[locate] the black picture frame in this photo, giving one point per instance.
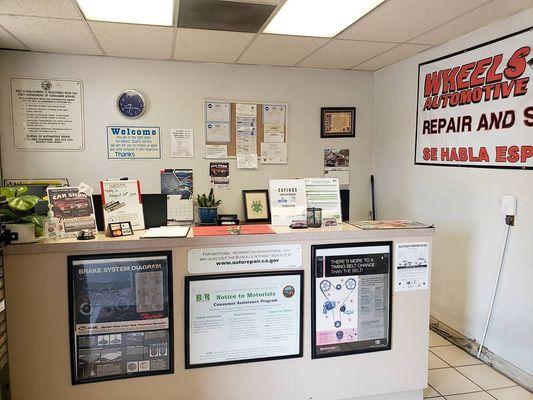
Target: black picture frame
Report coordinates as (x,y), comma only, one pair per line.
(72,321)
(350,351)
(247,216)
(333,110)
(456,53)
(190,278)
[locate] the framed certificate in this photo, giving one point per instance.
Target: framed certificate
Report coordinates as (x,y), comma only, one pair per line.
(337,122)
(242,318)
(351,289)
(120,308)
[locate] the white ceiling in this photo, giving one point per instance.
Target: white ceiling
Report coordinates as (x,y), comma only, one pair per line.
(395,30)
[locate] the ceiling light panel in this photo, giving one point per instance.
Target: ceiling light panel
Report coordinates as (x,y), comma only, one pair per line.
(147,12)
(318,18)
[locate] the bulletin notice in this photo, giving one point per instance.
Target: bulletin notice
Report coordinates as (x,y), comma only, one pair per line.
(47,114)
(237,318)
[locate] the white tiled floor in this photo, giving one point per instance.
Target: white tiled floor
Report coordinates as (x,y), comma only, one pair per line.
(455,375)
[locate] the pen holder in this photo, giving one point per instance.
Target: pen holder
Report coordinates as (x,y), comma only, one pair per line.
(314,217)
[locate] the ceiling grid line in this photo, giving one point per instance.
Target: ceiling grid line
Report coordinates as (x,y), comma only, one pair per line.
(259,32)
(86,23)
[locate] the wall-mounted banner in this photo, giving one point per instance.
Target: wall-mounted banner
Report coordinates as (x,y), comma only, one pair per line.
(133,142)
(244,258)
(47,114)
(475,107)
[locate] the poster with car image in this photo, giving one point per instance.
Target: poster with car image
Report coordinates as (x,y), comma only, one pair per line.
(73,207)
(242,318)
(120,315)
(351,298)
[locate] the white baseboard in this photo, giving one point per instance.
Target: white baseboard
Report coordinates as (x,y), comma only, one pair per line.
(471,346)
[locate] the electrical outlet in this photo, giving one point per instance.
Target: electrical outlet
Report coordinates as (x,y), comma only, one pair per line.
(509,204)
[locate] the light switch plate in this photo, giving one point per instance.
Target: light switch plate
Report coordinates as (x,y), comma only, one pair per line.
(508,204)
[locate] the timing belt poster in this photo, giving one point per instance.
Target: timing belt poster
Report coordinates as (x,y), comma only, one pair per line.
(241,318)
(351,298)
(475,107)
(120,315)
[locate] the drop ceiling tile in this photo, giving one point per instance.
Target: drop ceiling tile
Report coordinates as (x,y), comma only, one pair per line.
(402,20)
(210,46)
(129,40)
(392,56)
(52,35)
(279,49)
(7,41)
(344,54)
(41,8)
(473,20)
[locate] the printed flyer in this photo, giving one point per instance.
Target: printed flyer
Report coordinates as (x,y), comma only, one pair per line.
(121,315)
(236,318)
(350,298)
(288,200)
(74,209)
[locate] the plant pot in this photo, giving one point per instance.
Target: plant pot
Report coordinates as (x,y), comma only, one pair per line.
(207,215)
(26,232)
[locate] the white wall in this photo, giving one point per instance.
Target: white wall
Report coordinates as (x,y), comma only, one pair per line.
(464,204)
(174,91)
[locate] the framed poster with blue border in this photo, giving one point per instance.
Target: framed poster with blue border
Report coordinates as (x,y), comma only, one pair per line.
(351,298)
(120,315)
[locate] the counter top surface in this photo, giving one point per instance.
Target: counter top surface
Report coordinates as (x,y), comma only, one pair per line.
(343,231)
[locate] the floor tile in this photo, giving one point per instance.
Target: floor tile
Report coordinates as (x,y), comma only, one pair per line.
(436,340)
(486,377)
(455,356)
(471,396)
(429,393)
(512,393)
(435,362)
(448,381)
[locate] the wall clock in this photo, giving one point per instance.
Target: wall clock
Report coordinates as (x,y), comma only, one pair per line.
(131,104)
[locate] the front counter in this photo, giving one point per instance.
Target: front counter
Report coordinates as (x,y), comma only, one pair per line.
(38,329)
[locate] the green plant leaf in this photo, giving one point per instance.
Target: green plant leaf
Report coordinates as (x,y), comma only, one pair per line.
(38,221)
(20,190)
(22,203)
(9,215)
(7,191)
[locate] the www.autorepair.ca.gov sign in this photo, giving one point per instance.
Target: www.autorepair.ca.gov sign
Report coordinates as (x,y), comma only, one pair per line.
(475,107)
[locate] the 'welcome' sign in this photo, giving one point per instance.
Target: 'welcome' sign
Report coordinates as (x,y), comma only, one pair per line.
(133,142)
(475,107)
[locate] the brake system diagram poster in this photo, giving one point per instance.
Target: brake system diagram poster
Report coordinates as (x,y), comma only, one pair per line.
(475,107)
(120,315)
(241,318)
(351,298)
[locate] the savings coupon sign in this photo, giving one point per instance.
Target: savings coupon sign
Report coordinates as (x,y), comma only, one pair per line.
(475,107)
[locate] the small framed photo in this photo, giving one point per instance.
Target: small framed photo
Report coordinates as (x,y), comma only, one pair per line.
(337,122)
(256,205)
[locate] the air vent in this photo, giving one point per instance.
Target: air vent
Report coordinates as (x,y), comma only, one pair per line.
(224,15)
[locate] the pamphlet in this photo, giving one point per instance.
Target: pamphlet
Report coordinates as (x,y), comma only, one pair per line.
(324,193)
(288,201)
(219,174)
(181,143)
(74,209)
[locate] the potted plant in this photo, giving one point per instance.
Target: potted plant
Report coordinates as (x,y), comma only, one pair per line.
(17,212)
(207,208)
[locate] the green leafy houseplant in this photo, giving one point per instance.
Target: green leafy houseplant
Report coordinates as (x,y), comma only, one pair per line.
(18,208)
(207,208)
(208,201)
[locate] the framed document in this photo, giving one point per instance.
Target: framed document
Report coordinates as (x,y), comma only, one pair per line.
(242,318)
(351,289)
(120,314)
(256,205)
(337,122)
